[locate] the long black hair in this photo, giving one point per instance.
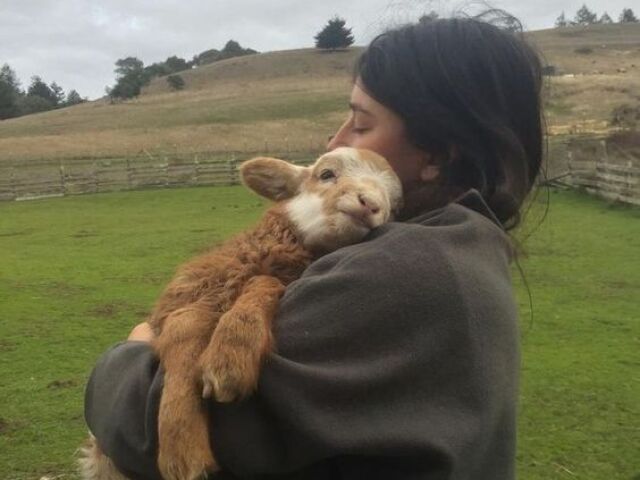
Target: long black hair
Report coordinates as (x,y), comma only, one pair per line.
(468,92)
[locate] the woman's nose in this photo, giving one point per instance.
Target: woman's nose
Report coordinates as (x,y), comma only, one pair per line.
(336,140)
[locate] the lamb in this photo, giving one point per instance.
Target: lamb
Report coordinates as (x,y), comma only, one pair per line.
(213,321)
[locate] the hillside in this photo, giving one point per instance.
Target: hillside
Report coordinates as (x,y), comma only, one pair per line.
(295,99)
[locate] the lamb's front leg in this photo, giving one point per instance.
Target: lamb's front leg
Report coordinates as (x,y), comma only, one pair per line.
(231,362)
(184,450)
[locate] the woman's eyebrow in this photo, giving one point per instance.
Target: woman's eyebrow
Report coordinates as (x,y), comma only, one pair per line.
(358,108)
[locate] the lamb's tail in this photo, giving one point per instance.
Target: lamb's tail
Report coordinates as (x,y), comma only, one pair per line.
(95,465)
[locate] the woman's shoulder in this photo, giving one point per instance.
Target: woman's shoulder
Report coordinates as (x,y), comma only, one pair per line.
(461,232)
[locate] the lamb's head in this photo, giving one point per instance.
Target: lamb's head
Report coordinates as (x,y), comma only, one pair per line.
(334,202)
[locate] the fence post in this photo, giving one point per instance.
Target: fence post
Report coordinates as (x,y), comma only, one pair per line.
(195,169)
(62,182)
(128,174)
(14,186)
(95,176)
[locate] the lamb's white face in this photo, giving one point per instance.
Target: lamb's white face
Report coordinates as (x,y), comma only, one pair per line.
(344,195)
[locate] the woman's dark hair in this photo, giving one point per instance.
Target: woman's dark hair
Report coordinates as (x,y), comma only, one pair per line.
(469,93)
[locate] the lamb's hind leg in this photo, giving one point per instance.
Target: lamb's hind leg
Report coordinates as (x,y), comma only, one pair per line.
(184,450)
(231,362)
(95,465)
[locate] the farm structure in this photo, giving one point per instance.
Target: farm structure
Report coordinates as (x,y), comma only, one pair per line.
(607,167)
(56,178)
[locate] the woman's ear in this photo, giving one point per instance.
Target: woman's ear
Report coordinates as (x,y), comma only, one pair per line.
(430,168)
(273,178)
(429,173)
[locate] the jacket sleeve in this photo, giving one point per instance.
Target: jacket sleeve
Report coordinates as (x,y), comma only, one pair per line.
(122,401)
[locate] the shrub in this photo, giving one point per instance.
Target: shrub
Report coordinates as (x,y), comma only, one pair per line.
(176,82)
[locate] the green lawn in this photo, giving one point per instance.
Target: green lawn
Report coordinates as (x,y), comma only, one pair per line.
(76,273)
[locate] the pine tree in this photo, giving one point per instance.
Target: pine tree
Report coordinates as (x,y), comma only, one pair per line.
(9,93)
(334,35)
(584,16)
(627,16)
(58,93)
(561,21)
(605,19)
(73,98)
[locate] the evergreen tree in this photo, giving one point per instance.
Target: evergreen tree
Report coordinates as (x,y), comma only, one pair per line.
(40,89)
(584,16)
(58,93)
(73,98)
(9,93)
(627,16)
(334,35)
(561,21)
(605,19)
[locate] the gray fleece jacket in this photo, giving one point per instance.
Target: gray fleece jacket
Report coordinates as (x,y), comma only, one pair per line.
(396,358)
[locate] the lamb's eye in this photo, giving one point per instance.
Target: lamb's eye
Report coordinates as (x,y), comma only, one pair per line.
(327,175)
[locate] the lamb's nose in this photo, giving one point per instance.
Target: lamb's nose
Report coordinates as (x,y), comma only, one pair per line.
(368,204)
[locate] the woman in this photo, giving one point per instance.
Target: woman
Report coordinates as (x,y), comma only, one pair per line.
(397,357)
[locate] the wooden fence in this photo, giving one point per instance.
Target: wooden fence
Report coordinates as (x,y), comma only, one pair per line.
(605,170)
(594,164)
(41,179)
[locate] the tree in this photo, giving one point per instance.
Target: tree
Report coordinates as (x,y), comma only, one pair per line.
(627,16)
(58,93)
(334,35)
(9,93)
(29,104)
(73,98)
(429,17)
(584,16)
(206,57)
(605,19)
(561,21)
(131,77)
(40,89)
(176,82)
(176,64)
(125,66)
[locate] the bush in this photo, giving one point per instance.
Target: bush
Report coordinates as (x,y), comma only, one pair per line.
(584,50)
(176,82)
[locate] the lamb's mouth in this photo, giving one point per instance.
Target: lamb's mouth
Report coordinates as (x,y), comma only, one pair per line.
(364,221)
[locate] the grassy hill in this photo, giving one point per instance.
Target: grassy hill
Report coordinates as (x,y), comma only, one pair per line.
(295,99)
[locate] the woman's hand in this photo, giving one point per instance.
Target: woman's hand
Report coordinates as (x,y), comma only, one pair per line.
(142,333)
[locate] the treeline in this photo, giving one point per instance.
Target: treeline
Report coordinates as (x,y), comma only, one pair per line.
(38,97)
(132,75)
(584,16)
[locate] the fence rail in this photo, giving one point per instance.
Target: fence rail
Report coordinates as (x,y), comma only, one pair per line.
(80,176)
(605,170)
(598,166)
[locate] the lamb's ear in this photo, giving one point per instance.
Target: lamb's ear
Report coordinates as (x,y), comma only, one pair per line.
(273,178)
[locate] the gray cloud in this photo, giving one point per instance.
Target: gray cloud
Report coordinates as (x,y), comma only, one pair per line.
(76,42)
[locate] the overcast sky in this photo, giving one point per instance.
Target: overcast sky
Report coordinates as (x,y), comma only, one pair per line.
(76,42)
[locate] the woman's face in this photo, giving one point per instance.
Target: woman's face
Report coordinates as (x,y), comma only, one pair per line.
(373,126)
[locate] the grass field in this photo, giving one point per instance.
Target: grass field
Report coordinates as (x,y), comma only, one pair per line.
(77,272)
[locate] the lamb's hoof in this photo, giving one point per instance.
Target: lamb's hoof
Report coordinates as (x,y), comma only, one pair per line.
(221,385)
